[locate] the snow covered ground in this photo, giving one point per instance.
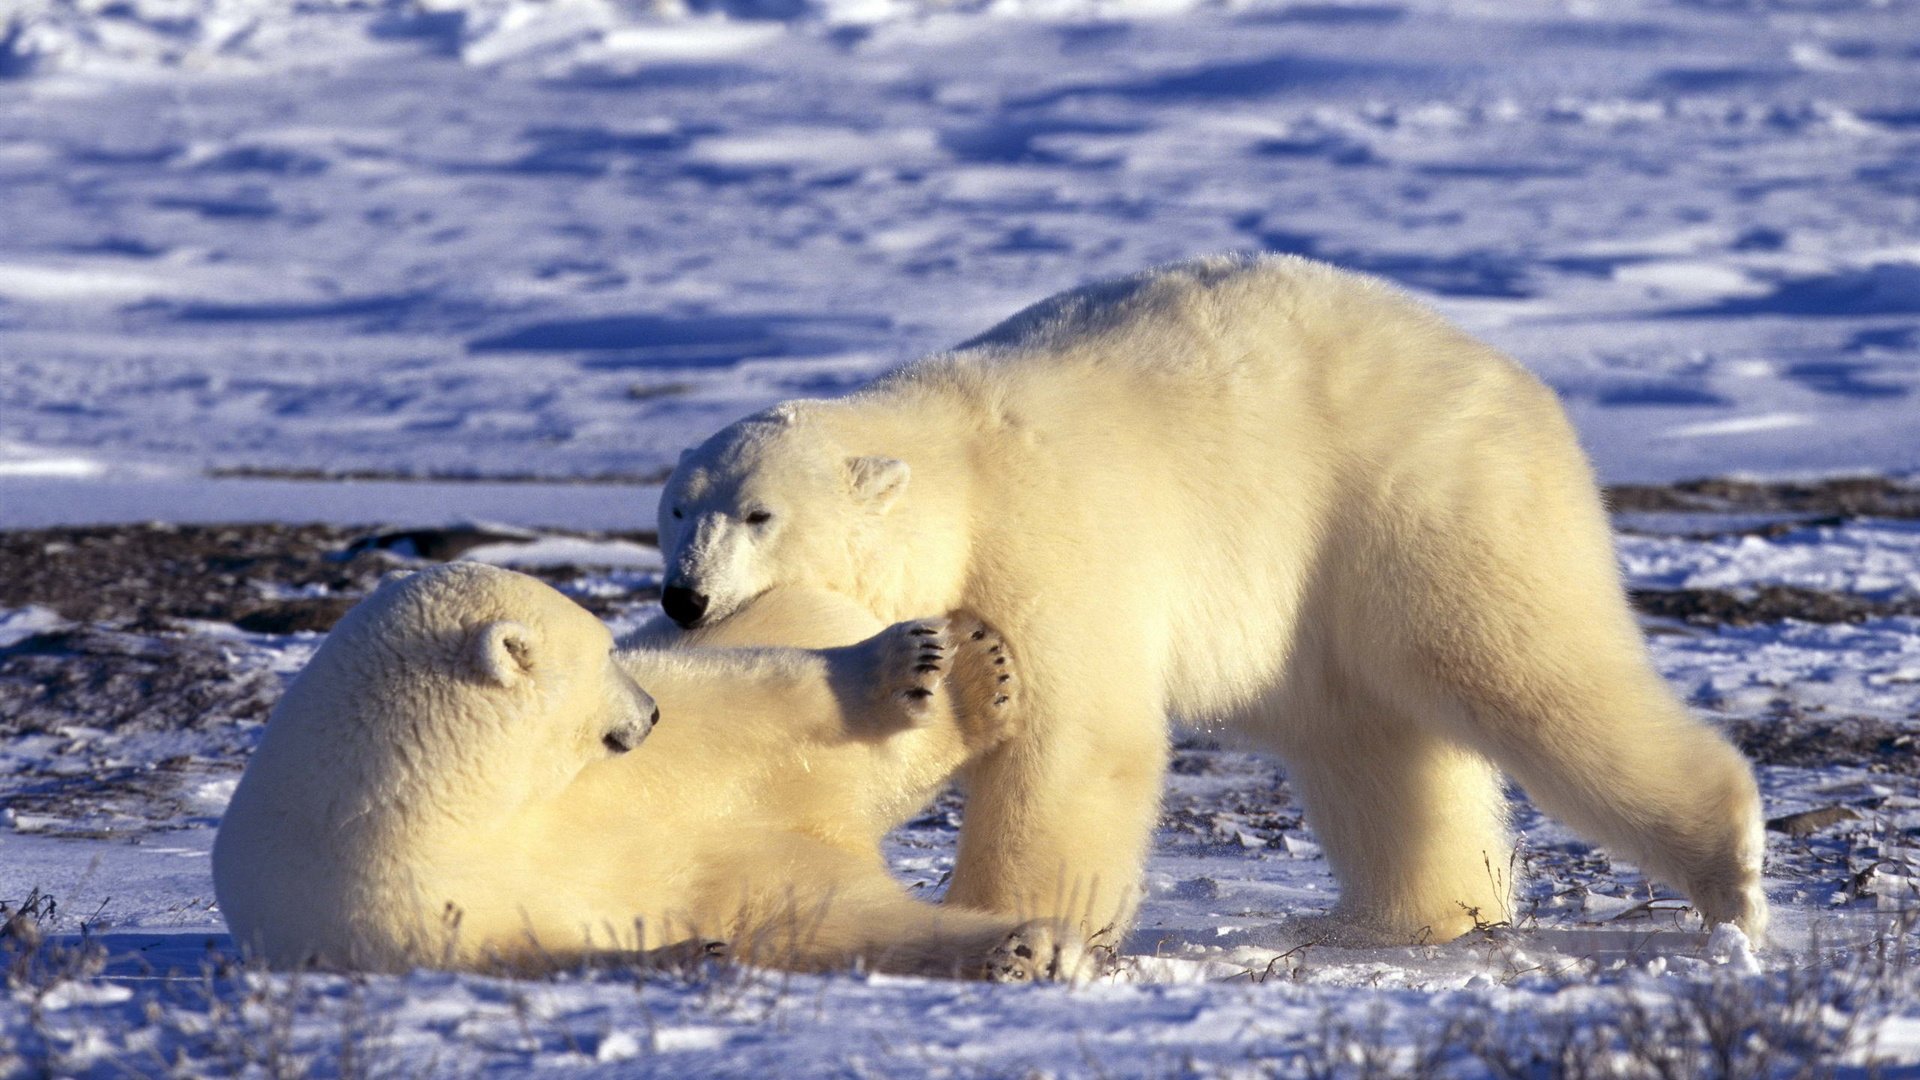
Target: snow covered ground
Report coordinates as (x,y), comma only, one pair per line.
(115,823)
(246,243)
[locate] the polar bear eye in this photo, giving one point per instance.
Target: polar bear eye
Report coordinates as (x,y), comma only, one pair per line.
(677,515)
(759,517)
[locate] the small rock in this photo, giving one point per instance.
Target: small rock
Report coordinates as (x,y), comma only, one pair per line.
(1808,822)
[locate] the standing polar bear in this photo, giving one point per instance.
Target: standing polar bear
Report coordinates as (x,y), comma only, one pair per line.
(1279,500)
(457,779)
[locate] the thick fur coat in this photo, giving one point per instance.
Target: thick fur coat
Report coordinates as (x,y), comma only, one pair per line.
(458,778)
(1276,499)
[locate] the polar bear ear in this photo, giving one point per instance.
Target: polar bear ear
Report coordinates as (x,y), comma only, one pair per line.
(878,481)
(502,652)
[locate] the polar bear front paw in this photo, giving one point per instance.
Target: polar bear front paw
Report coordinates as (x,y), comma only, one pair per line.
(910,662)
(1041,951)
(1742,903)
(985,684)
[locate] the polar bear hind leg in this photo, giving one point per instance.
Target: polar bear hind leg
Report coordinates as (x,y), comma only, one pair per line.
(1623,764)
(1524,647)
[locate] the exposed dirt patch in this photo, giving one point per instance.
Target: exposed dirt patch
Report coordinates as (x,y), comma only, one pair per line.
(119,801)
(620,479)
(102,730)
(127,682)
(273,579)
(1818,742)
(1840,497)
(1767,603)
(145,573)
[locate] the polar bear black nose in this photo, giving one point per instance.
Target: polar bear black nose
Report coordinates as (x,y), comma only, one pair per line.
(683,605)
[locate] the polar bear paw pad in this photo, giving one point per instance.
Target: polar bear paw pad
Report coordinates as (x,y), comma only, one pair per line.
(914,660)
(985,683)
(1040,951)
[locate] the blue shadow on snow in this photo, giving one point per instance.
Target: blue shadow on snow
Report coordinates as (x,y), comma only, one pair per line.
(679,341)
(1885,289)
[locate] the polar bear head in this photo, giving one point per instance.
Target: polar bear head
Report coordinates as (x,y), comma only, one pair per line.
(449,703)
(770,500)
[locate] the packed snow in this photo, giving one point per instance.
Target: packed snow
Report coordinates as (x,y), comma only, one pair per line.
(499,237)
(406,262)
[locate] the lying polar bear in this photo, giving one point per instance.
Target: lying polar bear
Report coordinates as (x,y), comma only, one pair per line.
(1274,498)
(457,779)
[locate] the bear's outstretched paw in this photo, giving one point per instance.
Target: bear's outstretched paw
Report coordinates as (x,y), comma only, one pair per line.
(985,683)
(1042,951)
(911,661)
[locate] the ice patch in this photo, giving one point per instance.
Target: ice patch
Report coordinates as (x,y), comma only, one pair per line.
(682,1039)
(1174,971)
(70,994)
(692,40)
(1739,425)
(1867,558)
(212,796)
(22,623)
(568,551)
(617,1046)
(58,284)
(818,146)
(1728,946)
(1688,280)
(65,468)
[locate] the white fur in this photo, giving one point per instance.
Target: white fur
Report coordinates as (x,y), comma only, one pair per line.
(437,788)
(1277,499)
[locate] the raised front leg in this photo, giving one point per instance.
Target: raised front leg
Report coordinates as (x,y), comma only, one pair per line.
(984,687)
(758,697)
(888,682)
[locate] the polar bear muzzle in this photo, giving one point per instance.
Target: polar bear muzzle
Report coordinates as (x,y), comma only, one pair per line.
(627,736)
(683,605)
(636,721)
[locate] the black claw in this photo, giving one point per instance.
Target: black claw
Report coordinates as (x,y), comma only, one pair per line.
(1023,951)
(923,631)
(978,634)
(1001,700)
(919,692)
(994,649)
(1004,678)
(1000,661)
(925,668)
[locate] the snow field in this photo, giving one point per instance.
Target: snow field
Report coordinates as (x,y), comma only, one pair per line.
(523,241)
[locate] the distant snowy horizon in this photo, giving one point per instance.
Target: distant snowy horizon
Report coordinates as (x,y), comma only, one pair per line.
(502,238)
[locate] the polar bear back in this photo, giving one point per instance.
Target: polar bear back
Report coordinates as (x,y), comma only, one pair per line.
(1219,422)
